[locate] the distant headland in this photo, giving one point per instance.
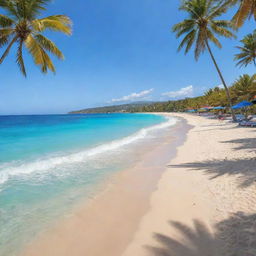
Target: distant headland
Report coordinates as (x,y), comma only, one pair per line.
(123,108)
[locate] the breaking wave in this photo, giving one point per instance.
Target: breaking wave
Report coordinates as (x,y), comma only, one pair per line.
(8,172)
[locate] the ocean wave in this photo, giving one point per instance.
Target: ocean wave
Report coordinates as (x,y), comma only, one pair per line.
(42,165)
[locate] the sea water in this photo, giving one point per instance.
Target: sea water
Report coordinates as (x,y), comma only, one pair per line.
(49,162)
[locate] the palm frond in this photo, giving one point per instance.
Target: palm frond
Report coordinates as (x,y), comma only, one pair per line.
(49,46)
(59,23)
(246,9)
(247,52)
(187,23)
(34,8)
(5,35)
(6,31)
(212,38)
(19,58)
(189,39)
(6,52)
(221,29)
(6,21)
(3,41)
(200,44)
(218,9)
(39,55)
(9,7)
(223,24)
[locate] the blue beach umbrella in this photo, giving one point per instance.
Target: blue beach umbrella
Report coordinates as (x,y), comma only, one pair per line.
(191,111)
(206,108)
(242,104)
(218,108)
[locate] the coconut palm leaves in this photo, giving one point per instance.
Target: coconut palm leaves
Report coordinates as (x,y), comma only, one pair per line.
(247,9)
(202,27)
(21,26)
(215,97)
(244,88)
(247,53)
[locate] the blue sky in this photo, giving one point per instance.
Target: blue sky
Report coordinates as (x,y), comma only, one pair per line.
(120,51)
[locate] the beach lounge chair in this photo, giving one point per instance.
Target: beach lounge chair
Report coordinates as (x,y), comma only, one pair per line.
(242,119)
(247,124)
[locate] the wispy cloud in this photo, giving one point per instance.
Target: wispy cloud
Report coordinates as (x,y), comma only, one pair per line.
(183,92)
(134,96)
(221,86)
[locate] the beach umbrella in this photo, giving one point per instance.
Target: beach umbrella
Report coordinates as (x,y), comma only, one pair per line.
(207,108)
(218,108)
(242,104)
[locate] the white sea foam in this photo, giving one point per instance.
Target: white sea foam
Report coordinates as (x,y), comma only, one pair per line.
(43,165)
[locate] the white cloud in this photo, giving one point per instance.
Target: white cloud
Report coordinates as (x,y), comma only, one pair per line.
(134,96)
(183,92)
(221,86)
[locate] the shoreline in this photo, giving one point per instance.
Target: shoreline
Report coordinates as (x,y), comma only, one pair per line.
(201,202)
(205,203)
(122,204)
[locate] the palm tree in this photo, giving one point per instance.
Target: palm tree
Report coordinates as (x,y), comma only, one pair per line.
(247,53)
(216,97)
(200,28)
(20,25)
(247,9)
(244,87)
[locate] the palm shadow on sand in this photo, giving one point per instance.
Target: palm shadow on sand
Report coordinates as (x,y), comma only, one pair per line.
(246,143)
(197,241)
(235,236)
(245,169)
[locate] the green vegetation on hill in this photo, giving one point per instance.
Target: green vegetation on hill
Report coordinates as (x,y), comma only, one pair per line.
(244,88)
(113,109)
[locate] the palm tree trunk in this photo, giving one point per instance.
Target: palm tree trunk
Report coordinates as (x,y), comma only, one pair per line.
(222,80)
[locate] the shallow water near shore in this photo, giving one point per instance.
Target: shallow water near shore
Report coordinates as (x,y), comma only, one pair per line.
(49,163)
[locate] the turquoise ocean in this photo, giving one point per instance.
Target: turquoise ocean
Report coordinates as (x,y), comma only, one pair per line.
(50,162)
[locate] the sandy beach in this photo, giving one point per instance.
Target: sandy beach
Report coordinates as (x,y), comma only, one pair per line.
(205,203)
(106,223)
(200,201)
(127,128)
